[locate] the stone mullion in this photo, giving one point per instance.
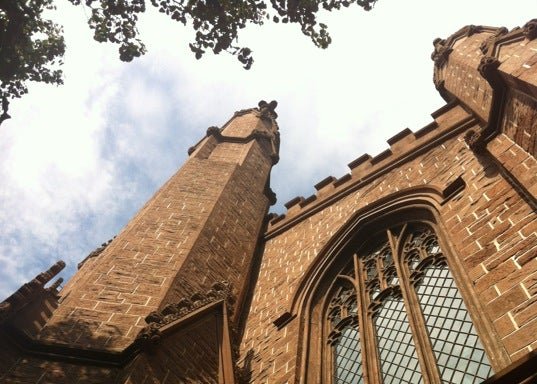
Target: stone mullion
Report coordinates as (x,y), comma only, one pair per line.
(326,353)
(370,357)
(422,342)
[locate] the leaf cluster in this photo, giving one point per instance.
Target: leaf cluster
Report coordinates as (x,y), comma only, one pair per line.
(216,23)
(31,48)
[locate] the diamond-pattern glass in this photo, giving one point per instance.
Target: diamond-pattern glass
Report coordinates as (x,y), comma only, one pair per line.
(459,353)
(348,359)
(398,359)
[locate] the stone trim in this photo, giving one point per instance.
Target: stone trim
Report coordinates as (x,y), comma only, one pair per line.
(172,314)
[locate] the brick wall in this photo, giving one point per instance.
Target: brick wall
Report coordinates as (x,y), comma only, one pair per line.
(462,78)
(491,229)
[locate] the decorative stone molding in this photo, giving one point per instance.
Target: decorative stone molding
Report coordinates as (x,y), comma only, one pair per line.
(443,47)
(487,46)
(156,320)
(473,29)
(265,111)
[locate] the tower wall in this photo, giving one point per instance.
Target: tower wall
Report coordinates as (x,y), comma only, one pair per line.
(200,229)
(160,303)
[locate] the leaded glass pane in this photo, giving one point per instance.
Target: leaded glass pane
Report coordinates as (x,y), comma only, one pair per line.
(459,353)
(398,359)
(347,357)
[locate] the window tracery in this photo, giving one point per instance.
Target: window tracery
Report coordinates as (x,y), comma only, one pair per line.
(344,337)
(412,315)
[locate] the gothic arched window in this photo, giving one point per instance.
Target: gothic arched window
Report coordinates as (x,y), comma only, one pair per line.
(395,315)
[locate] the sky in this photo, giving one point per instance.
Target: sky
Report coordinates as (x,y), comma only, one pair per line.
(78,161)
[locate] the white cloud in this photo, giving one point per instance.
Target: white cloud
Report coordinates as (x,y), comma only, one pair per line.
(77,161)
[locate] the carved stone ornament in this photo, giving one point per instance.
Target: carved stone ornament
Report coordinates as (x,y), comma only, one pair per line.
(530,29)
(335,335)
(271,195)
(441,52)
(393,291)
(213,131)
(267,110)
(475,141)
(488,67)
(151,334)
(416,277)
(191,150)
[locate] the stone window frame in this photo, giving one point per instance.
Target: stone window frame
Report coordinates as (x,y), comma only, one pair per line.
(312,298)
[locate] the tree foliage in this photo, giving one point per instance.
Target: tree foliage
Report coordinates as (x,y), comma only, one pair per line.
(32,47)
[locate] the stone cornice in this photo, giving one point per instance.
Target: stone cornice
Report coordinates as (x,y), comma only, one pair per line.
(444,47)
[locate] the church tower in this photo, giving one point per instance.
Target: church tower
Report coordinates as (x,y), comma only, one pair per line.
(417,266)
(193,244)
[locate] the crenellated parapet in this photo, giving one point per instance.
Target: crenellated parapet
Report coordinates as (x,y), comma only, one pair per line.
(31,291)
(406,145)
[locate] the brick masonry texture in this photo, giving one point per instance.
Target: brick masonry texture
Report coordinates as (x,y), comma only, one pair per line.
(208,224)
(492,231)
(190,356)
(193,232)
(463,79)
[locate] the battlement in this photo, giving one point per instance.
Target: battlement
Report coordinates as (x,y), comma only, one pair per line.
(473,68)
(449,120)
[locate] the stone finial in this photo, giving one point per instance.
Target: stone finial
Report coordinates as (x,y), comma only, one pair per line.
(46,276)
(267,110)
(488,67)
(530,29)
(441,52)
(475,142)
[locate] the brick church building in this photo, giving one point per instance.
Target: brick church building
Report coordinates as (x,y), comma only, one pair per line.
(418,266)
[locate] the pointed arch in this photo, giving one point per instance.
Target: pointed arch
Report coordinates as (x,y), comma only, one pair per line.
(414,205)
